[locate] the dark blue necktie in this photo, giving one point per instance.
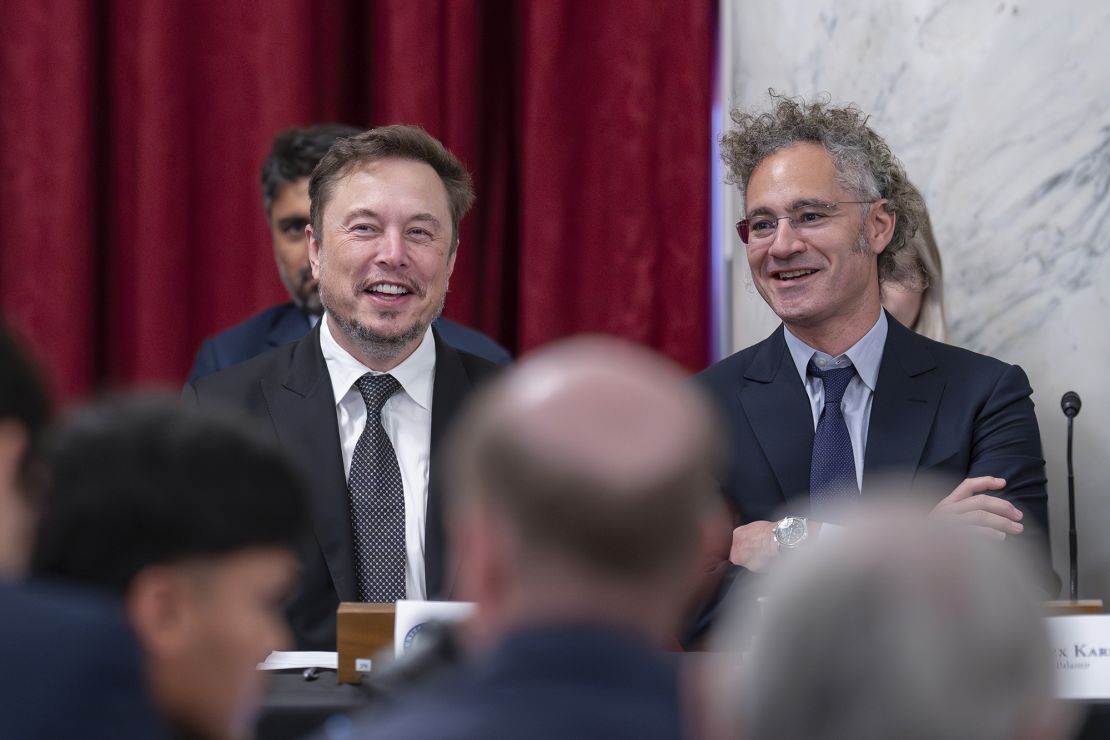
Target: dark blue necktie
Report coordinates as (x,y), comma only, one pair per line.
(377,500)
(832,471)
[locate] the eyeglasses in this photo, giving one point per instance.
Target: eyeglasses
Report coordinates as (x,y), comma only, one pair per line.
(808,217)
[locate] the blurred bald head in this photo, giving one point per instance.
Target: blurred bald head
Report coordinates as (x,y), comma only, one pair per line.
(595,460)
(897,627)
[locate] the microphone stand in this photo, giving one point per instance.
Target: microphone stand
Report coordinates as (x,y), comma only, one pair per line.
(1073,548)
(1070,404)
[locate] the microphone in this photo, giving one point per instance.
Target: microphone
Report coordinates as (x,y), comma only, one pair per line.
(1070,404)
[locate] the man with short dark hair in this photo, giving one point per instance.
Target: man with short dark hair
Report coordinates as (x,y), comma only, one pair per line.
(193,524)
(841,396)
(293,155)
(581,482)
(75,664)
(362,401)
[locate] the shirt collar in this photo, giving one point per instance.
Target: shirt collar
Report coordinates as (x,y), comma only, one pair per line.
(866,354)
(415,373)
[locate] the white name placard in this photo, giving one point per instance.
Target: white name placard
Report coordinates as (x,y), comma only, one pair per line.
(1081,654)
(412,616)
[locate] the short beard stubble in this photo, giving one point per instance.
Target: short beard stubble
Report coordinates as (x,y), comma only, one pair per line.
(382,348)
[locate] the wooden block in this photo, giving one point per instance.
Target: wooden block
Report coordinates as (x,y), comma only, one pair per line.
(1066,607)
(363,630)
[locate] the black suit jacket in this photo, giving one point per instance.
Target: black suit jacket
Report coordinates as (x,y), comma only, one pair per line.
(288,391)
(285,323)
(939,414)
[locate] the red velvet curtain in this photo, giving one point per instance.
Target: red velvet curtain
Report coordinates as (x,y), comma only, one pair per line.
(133,132)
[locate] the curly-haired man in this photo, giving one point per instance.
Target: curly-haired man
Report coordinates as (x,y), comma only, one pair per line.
(841,397)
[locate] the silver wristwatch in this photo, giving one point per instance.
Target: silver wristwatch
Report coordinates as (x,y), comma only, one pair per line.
(791,532)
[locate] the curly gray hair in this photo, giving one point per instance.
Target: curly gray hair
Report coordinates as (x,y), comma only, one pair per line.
(864,163)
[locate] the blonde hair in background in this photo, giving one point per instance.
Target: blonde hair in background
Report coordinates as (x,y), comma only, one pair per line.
(930,322)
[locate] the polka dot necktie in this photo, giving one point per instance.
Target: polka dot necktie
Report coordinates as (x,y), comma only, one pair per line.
(832,471)
(377,500)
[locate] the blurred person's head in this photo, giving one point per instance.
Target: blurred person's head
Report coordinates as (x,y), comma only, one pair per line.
(192,522)
(828,212)
(582,480)
(918,302)
(293,155)
(386,206)
(24,413)
(896,628)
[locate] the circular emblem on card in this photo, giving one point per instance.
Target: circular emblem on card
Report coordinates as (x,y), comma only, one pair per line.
(412,637)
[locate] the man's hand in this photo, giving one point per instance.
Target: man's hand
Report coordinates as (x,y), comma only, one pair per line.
(994,516)
(753,545)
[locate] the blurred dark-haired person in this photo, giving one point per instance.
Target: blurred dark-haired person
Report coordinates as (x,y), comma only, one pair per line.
(73,664)
(193,524)
(294,153)
(917,300)
(363,400)
(24,414)
(840,393)
(907,629)
(581,482)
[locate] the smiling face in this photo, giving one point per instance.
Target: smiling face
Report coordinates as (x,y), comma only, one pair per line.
(823,281)
(288,219)
(384,258)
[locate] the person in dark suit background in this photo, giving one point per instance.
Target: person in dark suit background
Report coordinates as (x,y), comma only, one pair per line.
(577,518)
(386,205)
(829,213)
(73,664)
(293,155)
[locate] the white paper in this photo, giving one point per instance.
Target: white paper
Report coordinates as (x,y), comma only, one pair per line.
(413,615)
(1081,654)
(285,660)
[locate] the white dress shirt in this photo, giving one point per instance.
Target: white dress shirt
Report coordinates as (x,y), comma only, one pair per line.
(866,355)
(407,419)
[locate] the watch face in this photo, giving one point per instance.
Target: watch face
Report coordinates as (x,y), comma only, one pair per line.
(791,531)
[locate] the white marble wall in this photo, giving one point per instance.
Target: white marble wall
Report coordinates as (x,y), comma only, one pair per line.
(1000,111)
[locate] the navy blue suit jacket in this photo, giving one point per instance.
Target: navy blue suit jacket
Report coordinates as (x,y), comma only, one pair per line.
(288,392)
(286,323)
(72,668)
(555,682)
(939,414)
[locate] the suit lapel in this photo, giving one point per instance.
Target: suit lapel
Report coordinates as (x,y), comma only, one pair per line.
(302,407)
(448,392)
(907,395)
(778,410)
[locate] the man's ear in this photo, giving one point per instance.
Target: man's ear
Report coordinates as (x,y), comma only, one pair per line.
(485,564)
(482,552)
(13,444)
(159,607)
(313,251)
(451,261)
(880,226)
(16,511)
